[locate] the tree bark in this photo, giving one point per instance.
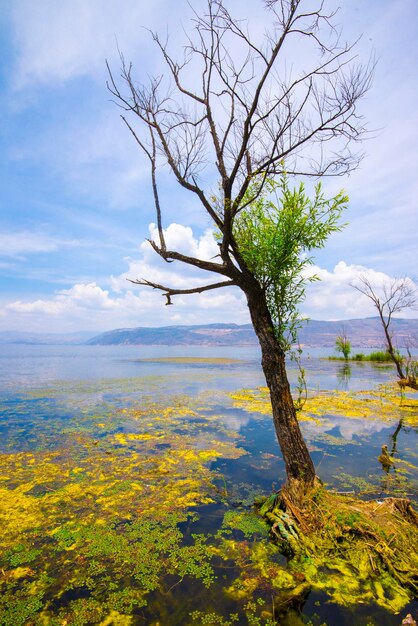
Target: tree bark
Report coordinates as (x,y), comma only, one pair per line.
(390,347)
(300,469)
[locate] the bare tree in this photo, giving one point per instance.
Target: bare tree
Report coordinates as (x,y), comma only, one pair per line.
(394,296)
(233,111)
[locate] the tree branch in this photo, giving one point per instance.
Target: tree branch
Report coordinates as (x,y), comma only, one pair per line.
(168,291)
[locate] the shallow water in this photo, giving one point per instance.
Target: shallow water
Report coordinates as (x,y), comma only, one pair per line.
(130,440)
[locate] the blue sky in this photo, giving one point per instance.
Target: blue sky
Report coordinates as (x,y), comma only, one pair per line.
(75,203)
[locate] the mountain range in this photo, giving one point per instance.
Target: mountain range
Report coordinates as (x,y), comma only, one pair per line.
(314,333)
(365,333)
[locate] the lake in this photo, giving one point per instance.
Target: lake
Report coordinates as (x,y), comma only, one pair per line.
(128,475)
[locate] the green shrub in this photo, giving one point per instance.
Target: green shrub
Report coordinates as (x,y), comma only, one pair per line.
(380,357)
(343,345)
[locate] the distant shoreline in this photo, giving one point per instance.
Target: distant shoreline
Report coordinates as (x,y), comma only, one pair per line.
(362,333)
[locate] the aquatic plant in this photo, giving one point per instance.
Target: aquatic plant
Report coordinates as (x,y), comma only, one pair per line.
(100,517)
(91,528)
(383,403)
(355,551)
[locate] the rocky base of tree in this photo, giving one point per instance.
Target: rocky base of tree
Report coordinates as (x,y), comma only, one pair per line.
(356,551)
(410,382)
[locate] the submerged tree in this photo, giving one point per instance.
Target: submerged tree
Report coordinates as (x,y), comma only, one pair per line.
(232,111)
(393,297)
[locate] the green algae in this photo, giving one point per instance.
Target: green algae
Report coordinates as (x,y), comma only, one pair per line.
(248,523)
(98,514)
(90,525)
(356,552)
(351,555)
(251,615)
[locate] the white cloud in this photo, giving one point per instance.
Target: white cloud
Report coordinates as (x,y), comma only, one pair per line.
(89,296)
(333,298)
(90,306)
(176,275)
(68,301)
(181,238)
(46,307)
(22,243)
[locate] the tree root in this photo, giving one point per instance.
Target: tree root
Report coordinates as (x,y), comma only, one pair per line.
(355,551)
(410,382)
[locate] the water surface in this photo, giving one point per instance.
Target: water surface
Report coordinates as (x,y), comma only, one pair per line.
(138,442)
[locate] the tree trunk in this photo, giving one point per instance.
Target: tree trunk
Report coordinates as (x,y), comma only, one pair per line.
(300,469)
(390,348)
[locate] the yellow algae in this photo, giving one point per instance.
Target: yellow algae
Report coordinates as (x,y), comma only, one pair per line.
(253,400)
(18,513)
(257,567)
(20,572)
(116,619)
(258,401)
(384,404)
(99,510)
(99,517)
(125,438)
(144,436)
(194,360)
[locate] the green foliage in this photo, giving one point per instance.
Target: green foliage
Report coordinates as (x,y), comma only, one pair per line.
(276,231)
(301,388)
(380,357)
(22,611)
(343,345)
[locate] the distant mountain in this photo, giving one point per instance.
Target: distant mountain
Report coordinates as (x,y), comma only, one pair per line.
(361,332)
(206,334)
(7,337)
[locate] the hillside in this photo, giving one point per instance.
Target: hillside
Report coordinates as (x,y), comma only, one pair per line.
(206,334)
(361,332)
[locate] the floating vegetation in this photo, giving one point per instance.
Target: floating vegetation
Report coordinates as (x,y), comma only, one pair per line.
(385,404)
(91,528)
(194,360)
(115,509)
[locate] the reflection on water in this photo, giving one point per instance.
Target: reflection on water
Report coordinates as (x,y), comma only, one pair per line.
(104,448)
(343,376)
